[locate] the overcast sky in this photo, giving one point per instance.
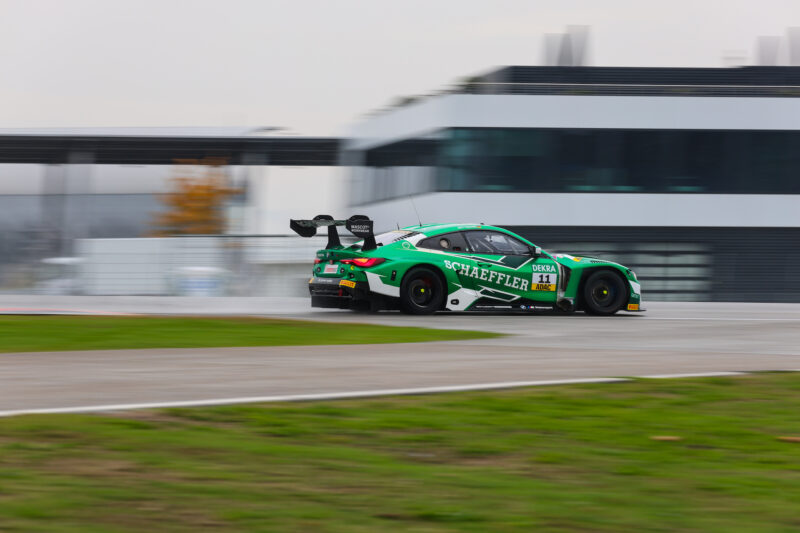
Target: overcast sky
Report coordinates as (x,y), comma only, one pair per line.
(316,65)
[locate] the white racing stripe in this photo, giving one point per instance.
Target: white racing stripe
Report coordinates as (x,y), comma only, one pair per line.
(309,397)
(637,289)
(464,297)
(377,285)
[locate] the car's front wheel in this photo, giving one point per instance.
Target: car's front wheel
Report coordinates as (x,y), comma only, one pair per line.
(421,292)
(604,293)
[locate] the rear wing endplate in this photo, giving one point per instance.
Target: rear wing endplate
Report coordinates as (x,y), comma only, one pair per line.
(358,225)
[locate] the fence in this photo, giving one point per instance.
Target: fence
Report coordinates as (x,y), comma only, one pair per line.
(682,264)
(203,265)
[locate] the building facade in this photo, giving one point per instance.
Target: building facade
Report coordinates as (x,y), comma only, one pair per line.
(690,176)
(77,206)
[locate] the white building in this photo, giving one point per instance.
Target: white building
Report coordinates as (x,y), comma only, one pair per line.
(691,176)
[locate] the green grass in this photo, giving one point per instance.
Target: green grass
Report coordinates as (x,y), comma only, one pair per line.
(46,333)
(569,458)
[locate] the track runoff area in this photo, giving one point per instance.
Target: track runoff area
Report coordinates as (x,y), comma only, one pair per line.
(670,340)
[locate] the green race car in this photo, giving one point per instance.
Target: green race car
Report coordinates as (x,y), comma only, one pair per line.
(458,267)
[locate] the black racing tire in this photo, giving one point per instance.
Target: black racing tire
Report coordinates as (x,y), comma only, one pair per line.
(604,293)
(422,292)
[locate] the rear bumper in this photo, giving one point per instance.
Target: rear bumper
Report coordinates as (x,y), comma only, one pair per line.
(337,293)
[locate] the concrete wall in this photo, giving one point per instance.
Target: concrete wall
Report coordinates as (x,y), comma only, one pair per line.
(147,266)
(199,266)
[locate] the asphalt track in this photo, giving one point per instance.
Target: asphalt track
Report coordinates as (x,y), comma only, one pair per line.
(668,339)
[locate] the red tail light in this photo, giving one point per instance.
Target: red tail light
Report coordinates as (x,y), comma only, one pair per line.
(364,262)
(317,260)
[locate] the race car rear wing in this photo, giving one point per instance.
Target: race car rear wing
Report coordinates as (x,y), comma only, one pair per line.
(358,225)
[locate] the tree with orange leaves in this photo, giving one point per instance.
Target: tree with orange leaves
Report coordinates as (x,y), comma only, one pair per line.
(195,205)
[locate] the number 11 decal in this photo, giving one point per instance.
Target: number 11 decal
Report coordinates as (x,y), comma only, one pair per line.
(544,278)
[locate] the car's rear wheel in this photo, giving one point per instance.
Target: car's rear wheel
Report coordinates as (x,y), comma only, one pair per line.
(604,293)
(421,292)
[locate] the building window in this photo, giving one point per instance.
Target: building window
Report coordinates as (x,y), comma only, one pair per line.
(622,161)
(586,160)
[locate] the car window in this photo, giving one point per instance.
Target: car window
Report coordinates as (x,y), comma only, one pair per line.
(448,242)
(494,242)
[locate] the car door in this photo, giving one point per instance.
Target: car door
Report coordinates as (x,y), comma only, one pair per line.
(507,270)
(454,246)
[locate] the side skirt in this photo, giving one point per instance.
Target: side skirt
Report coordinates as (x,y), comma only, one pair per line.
(518,306)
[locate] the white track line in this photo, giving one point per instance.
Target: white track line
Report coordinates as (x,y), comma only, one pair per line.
(70,312)
(356,394)
(693,375)
(721,319)
(309,397)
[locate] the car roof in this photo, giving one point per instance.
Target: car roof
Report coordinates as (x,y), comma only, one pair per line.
(438,229)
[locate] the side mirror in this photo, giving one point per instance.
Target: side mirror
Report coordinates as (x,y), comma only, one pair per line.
(535,251)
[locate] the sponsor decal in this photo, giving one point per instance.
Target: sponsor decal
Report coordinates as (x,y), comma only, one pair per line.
(544,282)
(324,281)
(360,229)
(633,307)
(331,269)
(544,267)
(347,283)
(492,276)
(577,259)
